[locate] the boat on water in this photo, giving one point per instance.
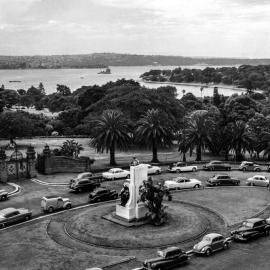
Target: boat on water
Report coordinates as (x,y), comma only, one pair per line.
(14,81)
(107,71)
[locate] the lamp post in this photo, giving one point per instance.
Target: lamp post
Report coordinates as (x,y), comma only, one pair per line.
(184,130)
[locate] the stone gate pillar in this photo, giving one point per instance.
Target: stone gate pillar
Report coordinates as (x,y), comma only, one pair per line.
(47,159)
(3,166)
(31,161)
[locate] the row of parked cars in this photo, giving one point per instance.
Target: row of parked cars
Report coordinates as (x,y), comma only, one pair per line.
(215,165)
(172,257)
(182,182)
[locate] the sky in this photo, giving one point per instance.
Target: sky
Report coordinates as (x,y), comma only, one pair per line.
(216,28)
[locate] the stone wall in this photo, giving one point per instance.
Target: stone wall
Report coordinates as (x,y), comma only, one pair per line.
(60,164)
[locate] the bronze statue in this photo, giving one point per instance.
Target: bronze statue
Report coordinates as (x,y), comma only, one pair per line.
(152,196)
(124,195)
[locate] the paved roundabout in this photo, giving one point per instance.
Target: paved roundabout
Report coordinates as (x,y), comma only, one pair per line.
(191,215)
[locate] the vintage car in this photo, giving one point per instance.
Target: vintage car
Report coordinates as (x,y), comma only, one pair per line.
(182,182)
(52,203)
(250,229)
(12,215)
(222,180)
(153,169)
(3,195)
(116,173)
(258,180)
(217,165)
(210,243)
(182,167)
(249,166)
(169,258)
(102,194)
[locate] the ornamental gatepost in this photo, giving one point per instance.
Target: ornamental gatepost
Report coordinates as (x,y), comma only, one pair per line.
(3,166)
(31,161)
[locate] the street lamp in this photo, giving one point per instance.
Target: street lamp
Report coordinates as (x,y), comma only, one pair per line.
(184,130)
(201,91)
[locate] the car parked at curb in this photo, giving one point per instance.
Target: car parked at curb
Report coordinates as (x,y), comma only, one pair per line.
(102,194)
(3,195)
(217,165)
(251,228)
(210,243)
(258,180)
(179,167)
(153,169)
(249,166)
(116,173)
(182,183)
(12,215)
(51,203)
(222,180)
(168,258)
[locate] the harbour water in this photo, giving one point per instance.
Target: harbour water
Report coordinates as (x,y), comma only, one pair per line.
(75,78)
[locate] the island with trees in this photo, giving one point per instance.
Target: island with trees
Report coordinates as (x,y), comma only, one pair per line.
(245,76)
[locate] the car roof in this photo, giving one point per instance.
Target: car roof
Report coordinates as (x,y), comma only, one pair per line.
(169,249)
(215,161)
(7,210)
(83,174)
(50,197)
(213,235)
(114,169)
(100,189)
(253,220)
(247,162)
(259,176)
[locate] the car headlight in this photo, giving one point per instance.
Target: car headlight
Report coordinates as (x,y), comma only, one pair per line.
(204,249)
(195,246)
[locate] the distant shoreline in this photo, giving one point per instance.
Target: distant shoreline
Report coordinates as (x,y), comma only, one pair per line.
(198,85)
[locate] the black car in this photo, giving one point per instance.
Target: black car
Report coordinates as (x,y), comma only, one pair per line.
(102,194)
(169,258)
(222,180)
(217,165)
(84,184)
(3,195)
(250,229)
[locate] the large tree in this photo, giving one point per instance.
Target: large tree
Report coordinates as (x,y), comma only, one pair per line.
(242,139)
(197,133)
(154,130)
(111,131)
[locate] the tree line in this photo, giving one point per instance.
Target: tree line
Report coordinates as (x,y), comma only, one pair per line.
(123,114)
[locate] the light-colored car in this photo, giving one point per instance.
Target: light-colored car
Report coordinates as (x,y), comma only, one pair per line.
(116,173)
(258,180)
(52,203)
(182,182)
(153,169)
(182,167)
(12,215)
(249,166)
(210,243)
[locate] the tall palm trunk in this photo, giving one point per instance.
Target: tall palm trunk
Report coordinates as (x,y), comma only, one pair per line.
(238,155)
(154,150)
(199,151)
(112,154)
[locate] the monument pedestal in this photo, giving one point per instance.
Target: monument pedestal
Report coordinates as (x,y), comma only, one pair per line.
(134,210)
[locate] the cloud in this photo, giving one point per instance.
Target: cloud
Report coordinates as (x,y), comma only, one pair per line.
(191,27)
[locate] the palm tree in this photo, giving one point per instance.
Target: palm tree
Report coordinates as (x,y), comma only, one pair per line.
(241,140)
(111,132)
(71,148)
(264,144)
(197,133)
(154,130)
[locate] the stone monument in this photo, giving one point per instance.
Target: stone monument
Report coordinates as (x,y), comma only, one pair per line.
(133,209)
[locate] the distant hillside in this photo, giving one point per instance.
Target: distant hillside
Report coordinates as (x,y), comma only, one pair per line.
(101,60)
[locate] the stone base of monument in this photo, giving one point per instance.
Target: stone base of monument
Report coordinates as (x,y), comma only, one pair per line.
(113,217)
